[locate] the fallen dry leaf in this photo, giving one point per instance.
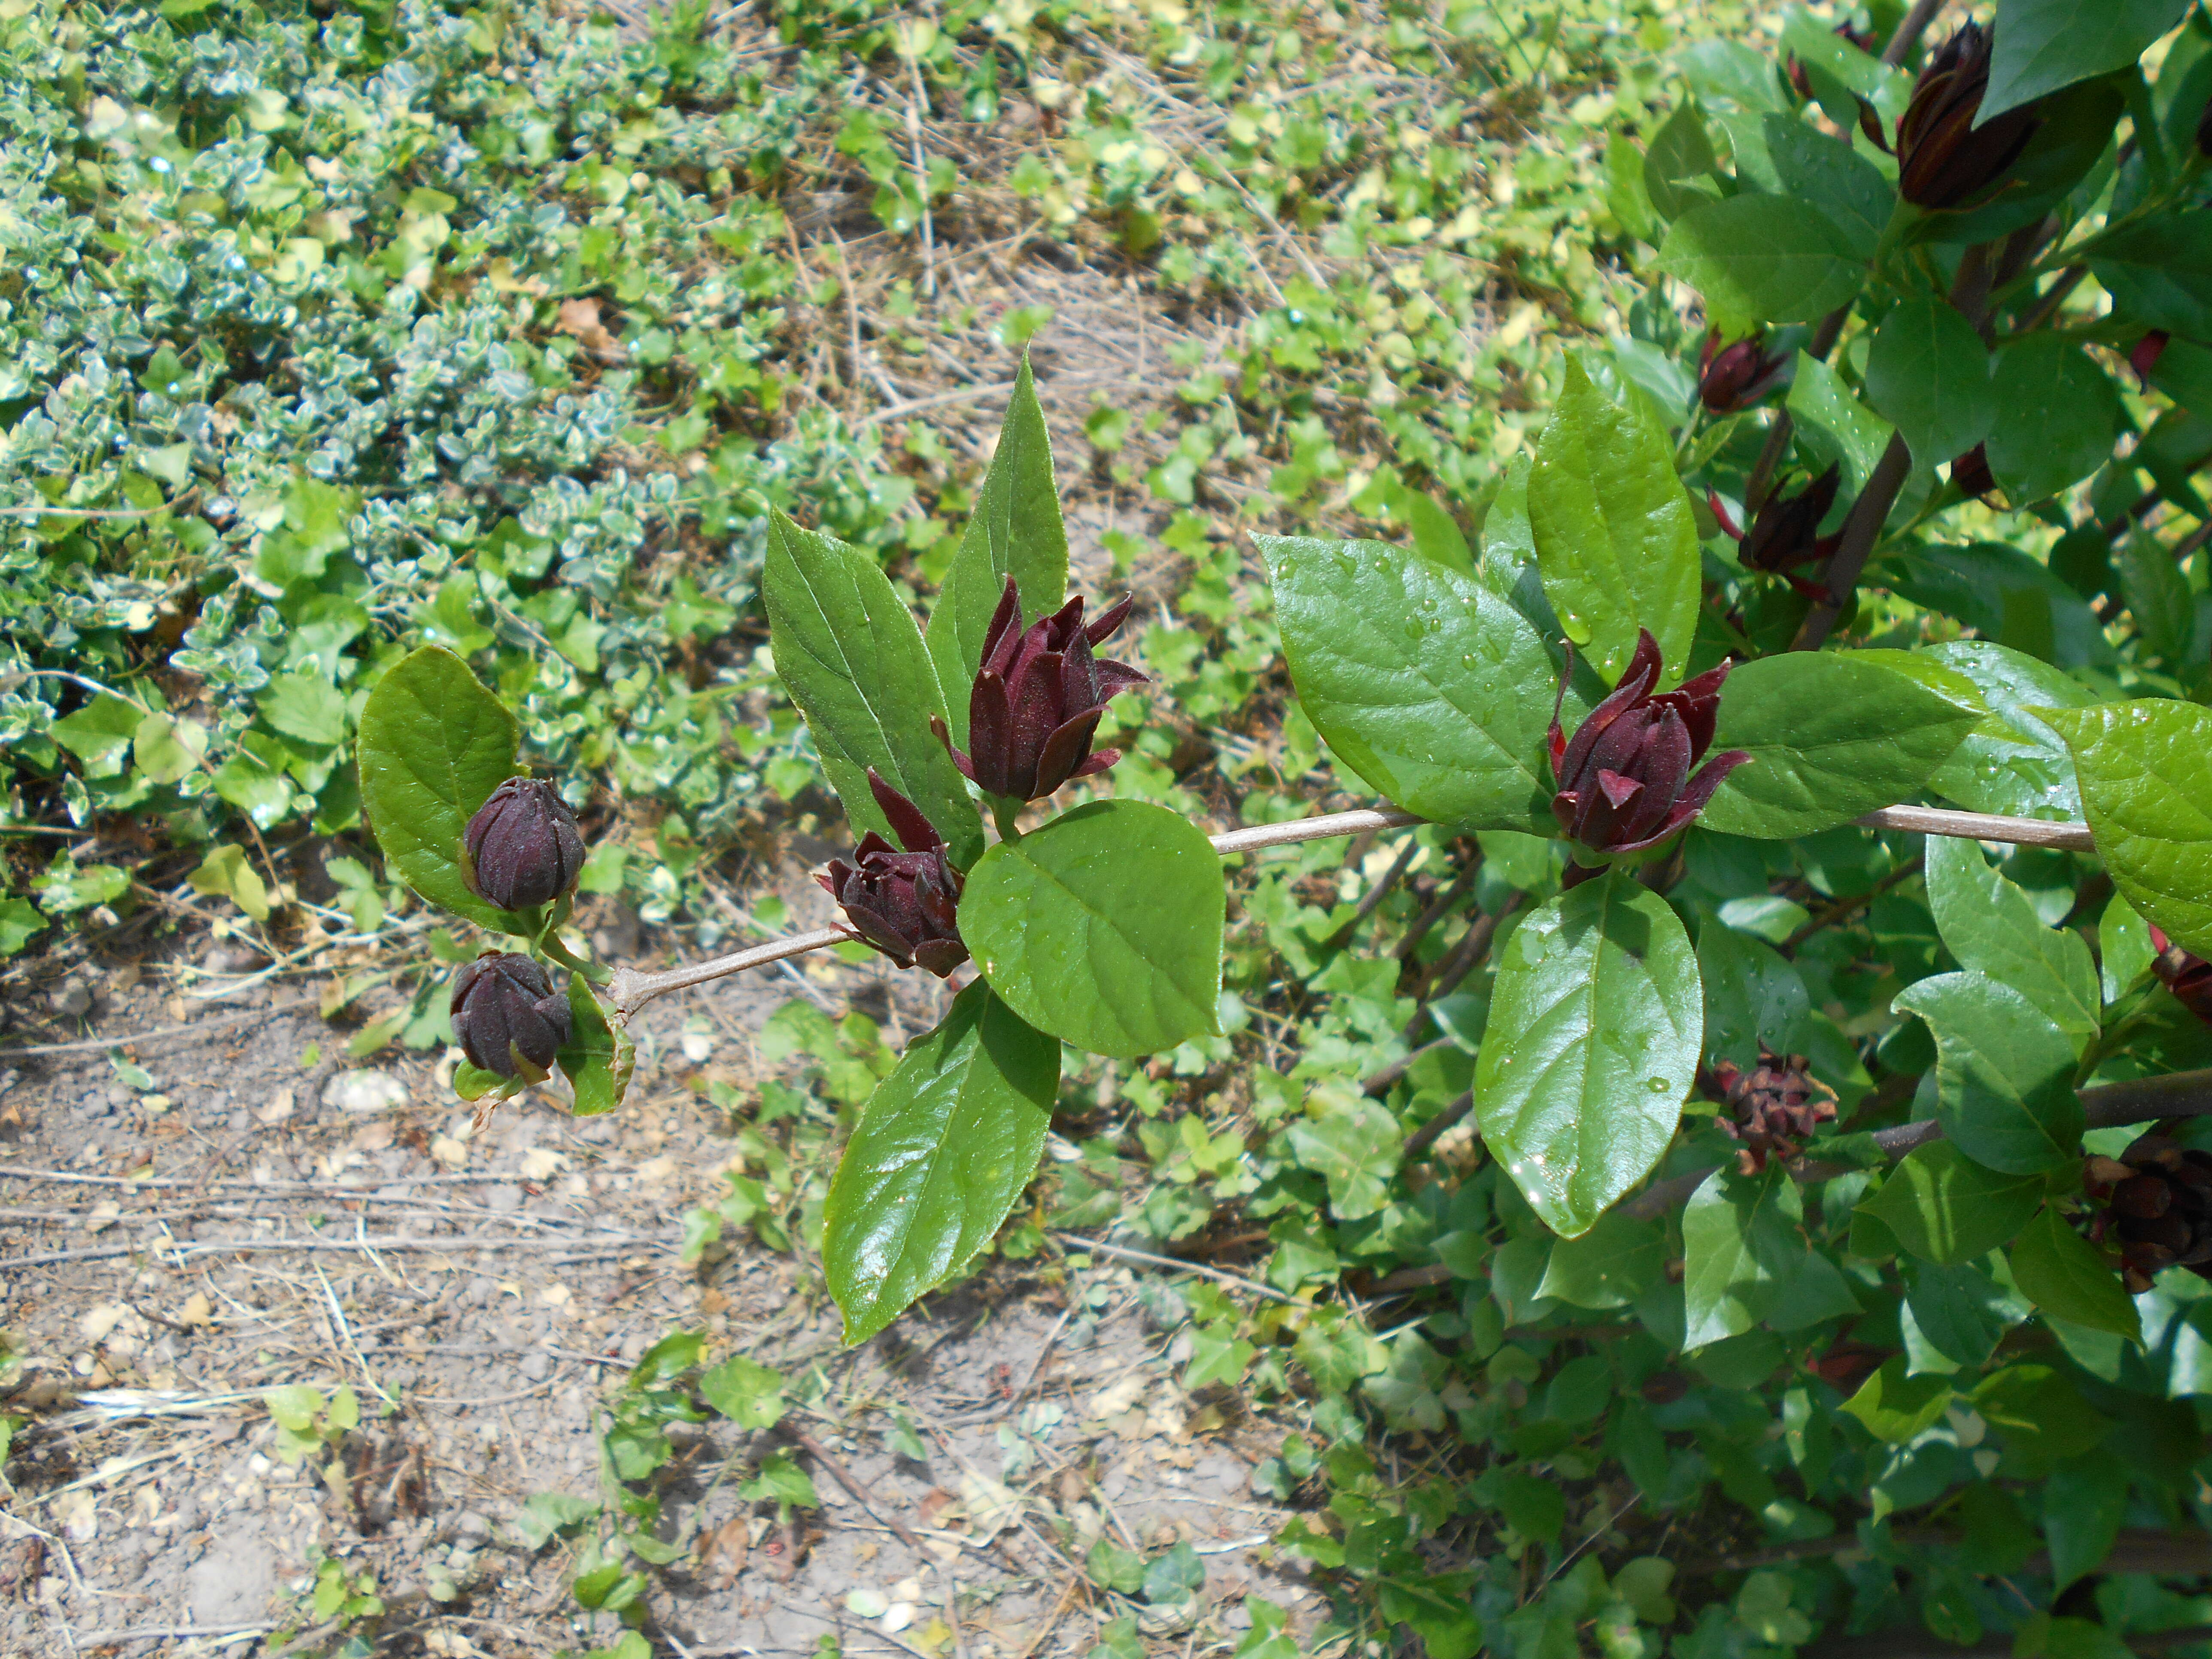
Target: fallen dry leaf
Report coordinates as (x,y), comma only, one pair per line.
(580,320)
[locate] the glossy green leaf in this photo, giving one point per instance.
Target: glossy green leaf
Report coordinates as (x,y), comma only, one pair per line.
(2146,775)
(2125,949)
(1942,1205)
(1848,189)
(1596,1023)
(1753,995)
(1830,737)
(943,1150)
(1354,1147)
(598,1058)
(2084,1502)
(2044,44)
(1103,927)
(2158,596)
(1989,924)
(1833,425)
(2159,271)
(1895,1407)
(2011,762)
(1961,1309)
(434,745)
(1747,1260)
(1759,258)
(2004,1077)
(1425,683)
(1615,537)
(1015,531)
(1608,1266)
(2063,1274)
(1679,154)
(750,1395)
(1927,373)
(2056,411)
(848,652)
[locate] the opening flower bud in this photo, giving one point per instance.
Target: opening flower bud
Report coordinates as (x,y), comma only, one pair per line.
(1943,159)
(1971,472)
(523,845)
(1785,531)
(509,1019)
(1734,377)
(906,904)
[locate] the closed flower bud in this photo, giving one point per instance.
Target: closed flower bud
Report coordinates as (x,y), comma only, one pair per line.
(906,904)
(523,845)
(1624,780)
(2154,1202)
(1944,161)
(1773,1109)
(2187,975)
(507,1018)
(1971,472)
(1785,531)
(2146,352)
(1037,698)
(1732,378)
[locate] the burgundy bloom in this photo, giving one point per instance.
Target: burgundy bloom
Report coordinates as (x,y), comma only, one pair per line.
(1737,376)
(506,1017)
(1944,161)
(1624,780)
(2148,350)
(1786,531)
(523,845)
(1971,472)
(2155,1202)
(906,904)
(1037,698)
(1773,1109)
(2187,975)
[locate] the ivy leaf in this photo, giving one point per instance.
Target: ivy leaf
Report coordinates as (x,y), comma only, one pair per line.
(2004,1073)
(1747,1260)
(1015,531)
(750,1395)
(304,706)
(1596,1023)
(1615,537)
(1988,923)
(1428,685)
(848,650)
(1761,258)
(2061,1273)
(2045,44)
(1929,373)
(597,1058)
(434,745)
(2146,775)
(2011,762)
(1943,1206)
(1355,1149)
(944,1149)
(1103,927)
(1830,736)
(1895,1407)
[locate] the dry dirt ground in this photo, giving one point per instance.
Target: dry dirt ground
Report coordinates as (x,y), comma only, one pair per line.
(259,1219)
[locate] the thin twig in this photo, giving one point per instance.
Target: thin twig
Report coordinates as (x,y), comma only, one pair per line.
(1122,1252)
(1313,828)
(1383,1081)
(132,1040)
(837,1471)
(1844,908)
(1372,899)
(1436,913)
(1909,33)
(1427,1136)
(177,1249)
(1982,826)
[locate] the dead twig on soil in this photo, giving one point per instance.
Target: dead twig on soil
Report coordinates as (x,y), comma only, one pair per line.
(837,1471)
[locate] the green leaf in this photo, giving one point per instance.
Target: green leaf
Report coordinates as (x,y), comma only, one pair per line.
(848,650)
(304,706)
(2158,596)
(1753,995)
(1848,189)
(2011,762)
(1988,923)
(598,1059)
(1015,531)
(100,734)
(2056,414)
(1103,927)
(944,1149)
(2063,1274)
(2044,44)
(545,1513)
(2124,950)
(1680,151)
(1615,537)
(2084,1501)
(750,1395)
(1608,1266)
(1896,1408)
(1596,1023)
(1929,373)
(20,923)
(1759,258)
(1425,683)
(668,1359)
(1833,425)
(1354,1147)
(167,750)
(226,873)
(2146,775)
(2004,1075)
(1747,1260)
(434,745)
(2159,271)
(1961,1309)
(1943,1206)
(1830,736)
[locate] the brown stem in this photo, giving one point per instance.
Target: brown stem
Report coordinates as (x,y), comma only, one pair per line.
(1909,33)
(1777,435)
(1469,951)
(1425,1137)
(1436,912)
(1375,895)
(843,1476)
(1844,908)
(1868,515)
(1381,1083)
(1981,826)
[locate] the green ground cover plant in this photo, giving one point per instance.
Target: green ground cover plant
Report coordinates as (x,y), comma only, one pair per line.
(1709,505)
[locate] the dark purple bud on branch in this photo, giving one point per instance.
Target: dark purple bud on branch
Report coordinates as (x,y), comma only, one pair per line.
(1773,1109)
(1785,532)
(1944,161)
(2148,350)
(507,1018)
(2154,1202)
(1037,700)
(1735,377)
(906,904)
(1971,472)
(1625,780)
(2188,975)
(523,845)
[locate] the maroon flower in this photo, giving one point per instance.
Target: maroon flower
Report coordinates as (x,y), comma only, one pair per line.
(2148,350)
(1944,161)
(906,904)
(1785,531)
(1737,376)
(2187,975)
(1624,780)
(1773,1109)
(507,1018)
(523,845)
(1037,698)
(2155,1202)
(1971,472)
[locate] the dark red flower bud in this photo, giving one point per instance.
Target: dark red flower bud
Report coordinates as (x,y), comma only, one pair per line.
(1971,472)
(523,845)
(507,1018)
(1737,376)
(1037,698)
(906,904)
(2187,975)
(2155,1202)
(1624,781)
(1773,1109)
(2148,350)
(1785,531)
(1944,161)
